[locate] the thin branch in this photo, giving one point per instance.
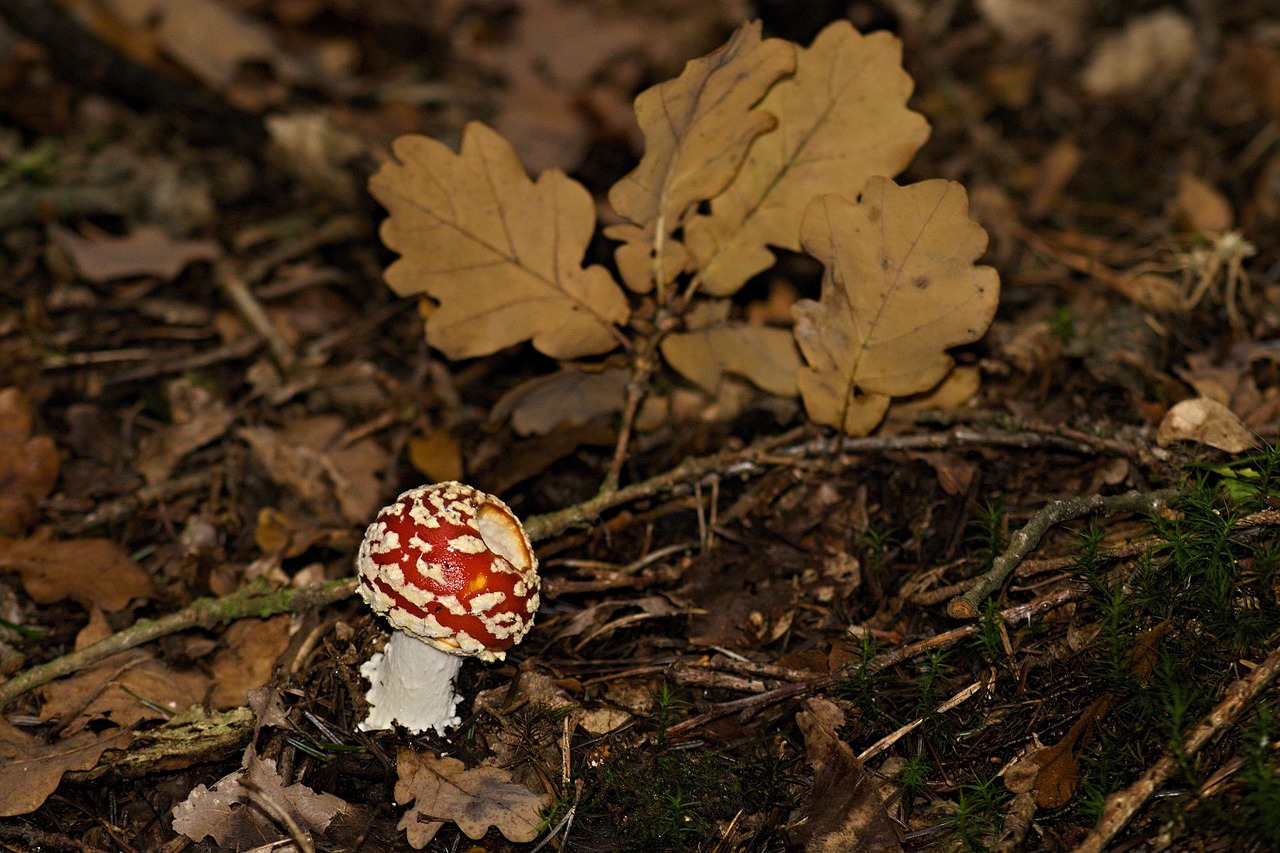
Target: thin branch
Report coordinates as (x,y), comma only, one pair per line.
(1121,806)
(1026,539)
(253,601)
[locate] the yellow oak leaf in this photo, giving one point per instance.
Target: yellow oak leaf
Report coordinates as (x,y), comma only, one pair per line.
(900,289)
(697,130)
(841,119)
(764,355)
(501,254)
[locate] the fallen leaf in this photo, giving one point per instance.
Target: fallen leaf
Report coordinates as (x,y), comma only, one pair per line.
(31,769)
(500,253)
(232,811)
(53,570)
(437,455)
(1199,206)
(841,119)
(124,689)
(697,130)
(765,355)
(250,650)
(567,398)
(197,418)
(1151,53)
(306,458)
(844,811)
(443,789)
(28,464)
(147,250)
(1059,773)
(1205,421)
(900,289)
(208,38)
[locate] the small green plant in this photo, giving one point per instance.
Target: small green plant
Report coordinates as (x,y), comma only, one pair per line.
(914,774)
(978,814)
(988,534)
(933,670)
(649,796)
(989,640)
(1259,812)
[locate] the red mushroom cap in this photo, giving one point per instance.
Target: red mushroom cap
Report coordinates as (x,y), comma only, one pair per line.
(452,566)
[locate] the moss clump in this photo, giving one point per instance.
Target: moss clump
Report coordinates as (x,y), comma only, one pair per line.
(646,799)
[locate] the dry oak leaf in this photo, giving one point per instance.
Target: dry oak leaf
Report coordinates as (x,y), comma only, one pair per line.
(765,355)
(198,417)
(841,119)
(900,289)
(443,789)
(569,397)
(697,131)
(500,253)
(30,769)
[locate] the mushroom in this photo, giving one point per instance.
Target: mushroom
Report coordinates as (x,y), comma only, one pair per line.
(452,570)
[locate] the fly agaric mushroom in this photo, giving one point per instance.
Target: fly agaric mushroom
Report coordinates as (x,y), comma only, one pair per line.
(453,571)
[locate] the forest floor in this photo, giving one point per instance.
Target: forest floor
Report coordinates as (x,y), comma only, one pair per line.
(1040,611)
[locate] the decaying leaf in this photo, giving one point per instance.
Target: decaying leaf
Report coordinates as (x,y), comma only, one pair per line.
(242,810)
(1205,421)
(841,119)
(697,130)
(148,250)
(53,570)
(124,689)
(900,289)
(198,418)
(31,769)
(502,254)
(28,464)
(250,650)
(766,355)
(443,789)
(537,407)
(844,811)
(307,458)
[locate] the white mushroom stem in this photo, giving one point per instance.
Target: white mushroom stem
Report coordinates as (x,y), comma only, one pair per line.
(411,684)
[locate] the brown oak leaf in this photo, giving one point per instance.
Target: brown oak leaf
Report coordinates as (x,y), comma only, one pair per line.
(900,289)
(841,119)
(500,253)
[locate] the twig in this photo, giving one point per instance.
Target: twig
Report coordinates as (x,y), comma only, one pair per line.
(749,706)
(1121,806)
(1026,539)
(143,496)
(732,461)
(236,289)
(253,601)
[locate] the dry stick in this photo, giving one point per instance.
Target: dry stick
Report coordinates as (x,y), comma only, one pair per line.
(253,601)
(1026,539)
(236,289)
(751,705)
(1121,806)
